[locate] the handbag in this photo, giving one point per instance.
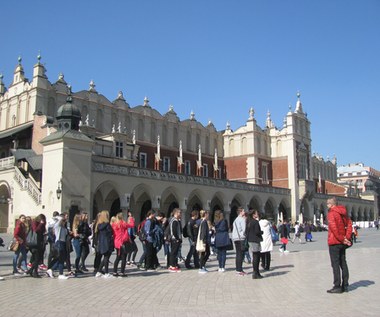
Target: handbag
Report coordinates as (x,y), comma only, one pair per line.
(230,247)
(31,240)
(200,246)
(14,245)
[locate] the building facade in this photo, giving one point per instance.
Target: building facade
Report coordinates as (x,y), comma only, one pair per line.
(78,151)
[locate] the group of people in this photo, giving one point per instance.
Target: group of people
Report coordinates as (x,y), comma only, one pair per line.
(106,235)
(251,232)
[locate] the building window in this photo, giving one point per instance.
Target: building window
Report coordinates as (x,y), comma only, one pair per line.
(205,170)
(166,166)
(143,160)
(264,173)
(119,149)
(187,168)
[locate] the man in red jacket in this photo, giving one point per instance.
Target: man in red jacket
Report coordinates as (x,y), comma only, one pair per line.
(339,234)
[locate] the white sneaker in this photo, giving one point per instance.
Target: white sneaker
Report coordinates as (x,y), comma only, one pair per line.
(202,271)
(286,251)
(62,277)
(281,250)
(220,270)
(99,274)
(49,272)
(1,278)
(108,275)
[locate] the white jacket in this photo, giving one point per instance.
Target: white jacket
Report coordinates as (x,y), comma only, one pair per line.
(266,244)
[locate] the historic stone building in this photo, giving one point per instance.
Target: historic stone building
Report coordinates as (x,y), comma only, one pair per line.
(63,150)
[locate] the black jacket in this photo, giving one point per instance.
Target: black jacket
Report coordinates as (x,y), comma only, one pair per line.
(253,231)
(192,229)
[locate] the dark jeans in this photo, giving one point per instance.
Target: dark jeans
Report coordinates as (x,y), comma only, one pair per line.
(59,256)
(84,254)
(174,247)
(121,254)
(338,263)
(265,260)
(192,253)
(239,255)
(150,252)
(222,256)
(132,252)
(204,256)
(38,253)
(256,262)
(105,262)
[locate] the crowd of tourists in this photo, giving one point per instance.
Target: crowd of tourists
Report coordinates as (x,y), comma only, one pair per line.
(252,236)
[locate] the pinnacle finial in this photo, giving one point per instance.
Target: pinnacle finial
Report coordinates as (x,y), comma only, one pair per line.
(146,101)
(298,94)
(39,56)
(69,94)
(19,60)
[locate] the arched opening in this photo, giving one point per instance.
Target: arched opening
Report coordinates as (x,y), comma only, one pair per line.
(4,208)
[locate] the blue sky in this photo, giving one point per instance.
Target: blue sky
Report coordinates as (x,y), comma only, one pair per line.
(217,58)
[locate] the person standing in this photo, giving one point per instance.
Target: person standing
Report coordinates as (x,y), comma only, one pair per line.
(38,227)
(254,236)
(266,244)
(203,236)
(20,235)
(149,242)
(297,232)
(222,239)
(339,234)
(238,237)
(192,232)
(105,243)
(284,234)
(85,231)
(175,240)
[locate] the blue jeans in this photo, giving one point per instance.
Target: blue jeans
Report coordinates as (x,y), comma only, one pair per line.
(78,251)
(22,250)
(222,256)
(59,261)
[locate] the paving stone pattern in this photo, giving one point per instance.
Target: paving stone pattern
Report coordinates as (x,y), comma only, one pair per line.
(295,286)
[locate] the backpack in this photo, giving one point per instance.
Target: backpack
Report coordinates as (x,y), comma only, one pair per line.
(141,232)
(273,233)
(184,231)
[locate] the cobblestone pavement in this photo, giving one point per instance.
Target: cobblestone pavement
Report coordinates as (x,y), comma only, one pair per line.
(295,286)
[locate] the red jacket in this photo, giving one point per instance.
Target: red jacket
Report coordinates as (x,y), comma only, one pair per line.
(340,225)
(20,232)
(120,232)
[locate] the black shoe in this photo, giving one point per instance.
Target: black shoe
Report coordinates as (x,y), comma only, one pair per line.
(345,289)
(335,290)
(257,276)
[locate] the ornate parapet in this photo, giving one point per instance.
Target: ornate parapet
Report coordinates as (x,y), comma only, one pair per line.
(181,178)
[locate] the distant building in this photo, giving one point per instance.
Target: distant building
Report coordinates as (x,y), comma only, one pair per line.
(78,151)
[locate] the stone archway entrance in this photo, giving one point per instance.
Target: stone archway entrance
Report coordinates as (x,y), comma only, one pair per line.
(4,208)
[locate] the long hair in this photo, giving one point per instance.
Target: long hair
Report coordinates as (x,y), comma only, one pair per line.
(218,216)
(104,216)
(76,221)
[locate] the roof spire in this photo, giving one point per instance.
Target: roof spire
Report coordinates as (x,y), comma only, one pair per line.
(299,104)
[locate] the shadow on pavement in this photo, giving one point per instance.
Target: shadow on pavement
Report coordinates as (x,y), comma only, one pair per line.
(281,267)
(276,273)
(364,283)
